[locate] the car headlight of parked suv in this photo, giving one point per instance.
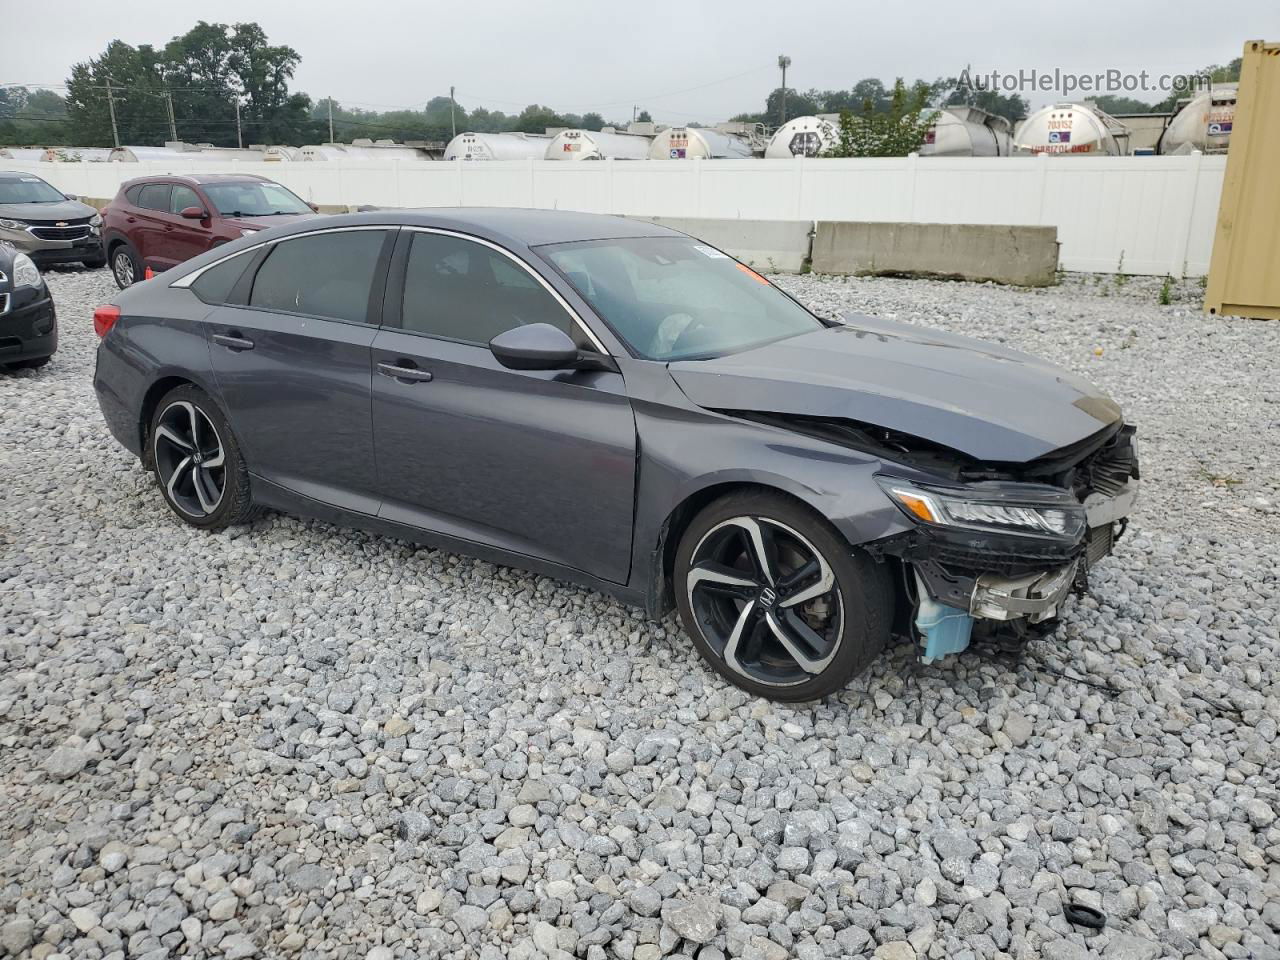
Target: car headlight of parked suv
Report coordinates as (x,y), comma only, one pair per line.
(25,273)
(1036,512)
(13,224)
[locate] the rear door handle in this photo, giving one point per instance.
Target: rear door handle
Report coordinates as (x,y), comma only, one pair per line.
(409,374)
(233,343)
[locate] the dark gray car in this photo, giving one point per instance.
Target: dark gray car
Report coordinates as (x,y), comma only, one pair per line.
(623,406)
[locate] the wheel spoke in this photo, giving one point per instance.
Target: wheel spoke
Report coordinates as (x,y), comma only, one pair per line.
(735,637)
(826,580)
(800,641)
(194,418)
(178,471)
(169,436)
(761,547)
(216,460)
(206,492)
(722,579)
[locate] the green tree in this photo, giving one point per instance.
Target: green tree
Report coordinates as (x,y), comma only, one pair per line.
(136,76)
(644,117)
(536,118)
(592,121)
(263,72)
(1115,104)
(33,117)
(893,132)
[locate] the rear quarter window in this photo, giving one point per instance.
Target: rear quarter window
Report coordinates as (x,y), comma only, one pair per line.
(214,286)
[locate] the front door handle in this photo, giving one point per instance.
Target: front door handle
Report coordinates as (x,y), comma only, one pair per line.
(233,343)
(406,374)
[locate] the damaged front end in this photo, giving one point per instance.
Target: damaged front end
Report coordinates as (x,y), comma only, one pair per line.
(999,554)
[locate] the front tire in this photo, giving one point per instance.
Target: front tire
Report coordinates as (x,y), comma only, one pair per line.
(197,461)
(776,601)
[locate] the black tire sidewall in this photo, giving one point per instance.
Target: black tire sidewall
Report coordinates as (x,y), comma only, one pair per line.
(124,247)
(865,590)
(235,505)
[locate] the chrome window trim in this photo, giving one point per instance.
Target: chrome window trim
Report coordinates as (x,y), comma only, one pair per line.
(564,304)
(185,281)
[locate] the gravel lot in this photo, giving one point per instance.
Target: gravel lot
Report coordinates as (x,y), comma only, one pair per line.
(299,741)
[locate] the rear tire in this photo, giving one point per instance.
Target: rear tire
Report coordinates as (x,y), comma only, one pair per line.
(797,626)
(197,461)
(126,268)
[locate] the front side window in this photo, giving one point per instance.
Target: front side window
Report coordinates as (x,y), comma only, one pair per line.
(182,198)
(462,290)
(25,189)
(154,196)
(673,298)
(253,198)
(320,275)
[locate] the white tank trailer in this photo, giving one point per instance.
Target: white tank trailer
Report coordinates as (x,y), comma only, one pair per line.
(962,131)
(803,137)
(597,145)
(1072,130)
(1204,124)
(496,146)
(360,150)
(686,143)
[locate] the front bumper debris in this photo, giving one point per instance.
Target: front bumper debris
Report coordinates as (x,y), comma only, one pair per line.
(1035,596)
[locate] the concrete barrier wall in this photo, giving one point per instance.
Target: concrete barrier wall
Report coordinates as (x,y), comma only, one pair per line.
(770,246)
(1153,215)
(1027,256)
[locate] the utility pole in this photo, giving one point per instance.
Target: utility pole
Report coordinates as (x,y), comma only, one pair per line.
(331,140)
(634,111)
(453,120)
(239,138)
(173,128)
(784,62)
(111,106)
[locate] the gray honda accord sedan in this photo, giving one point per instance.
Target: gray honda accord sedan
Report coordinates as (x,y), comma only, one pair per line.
(620,405)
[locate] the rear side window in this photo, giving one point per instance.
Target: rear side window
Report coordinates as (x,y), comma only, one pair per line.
(462,290)
(214,286)
(182,198)
(154,196)
(321,275)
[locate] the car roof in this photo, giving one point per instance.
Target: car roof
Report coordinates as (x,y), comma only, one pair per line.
(196,178)
(20,175)
(507,225)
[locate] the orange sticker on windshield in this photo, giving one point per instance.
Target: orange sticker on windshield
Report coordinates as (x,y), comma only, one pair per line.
(752,274)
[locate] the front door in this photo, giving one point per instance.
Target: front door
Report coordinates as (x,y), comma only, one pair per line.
(292,365)
(541,463)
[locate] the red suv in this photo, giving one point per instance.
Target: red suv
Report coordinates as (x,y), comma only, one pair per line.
(158,222)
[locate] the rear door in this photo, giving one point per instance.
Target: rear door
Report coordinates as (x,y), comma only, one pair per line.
(292,360)
(147,231)
(541,463)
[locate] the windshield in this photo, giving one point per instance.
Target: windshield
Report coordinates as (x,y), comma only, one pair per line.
(673,298)
(28,190)
(253,199)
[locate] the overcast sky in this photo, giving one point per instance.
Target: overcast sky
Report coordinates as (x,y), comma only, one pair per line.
(681,59)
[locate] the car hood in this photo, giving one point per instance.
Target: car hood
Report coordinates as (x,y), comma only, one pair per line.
(979,398)
(266,223)
(62,210)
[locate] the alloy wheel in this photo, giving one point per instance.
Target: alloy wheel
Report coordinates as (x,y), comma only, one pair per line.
(765,600)
(189,459)
(122,267)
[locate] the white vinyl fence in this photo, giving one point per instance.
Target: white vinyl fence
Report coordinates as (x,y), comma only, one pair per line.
(1140,215)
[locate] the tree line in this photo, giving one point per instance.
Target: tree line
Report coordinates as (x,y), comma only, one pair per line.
(225,84)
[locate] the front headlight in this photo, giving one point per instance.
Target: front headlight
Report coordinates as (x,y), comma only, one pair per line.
(13,224)
(25,273)
(1044,513)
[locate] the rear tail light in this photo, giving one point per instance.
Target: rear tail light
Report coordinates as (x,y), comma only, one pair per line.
(104,318)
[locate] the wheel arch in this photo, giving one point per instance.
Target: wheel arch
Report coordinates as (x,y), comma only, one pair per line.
(151,397)
(660,596)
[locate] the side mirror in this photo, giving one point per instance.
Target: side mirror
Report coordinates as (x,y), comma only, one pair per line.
(539,346)
(71,196)
(315,207)
(193,213)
